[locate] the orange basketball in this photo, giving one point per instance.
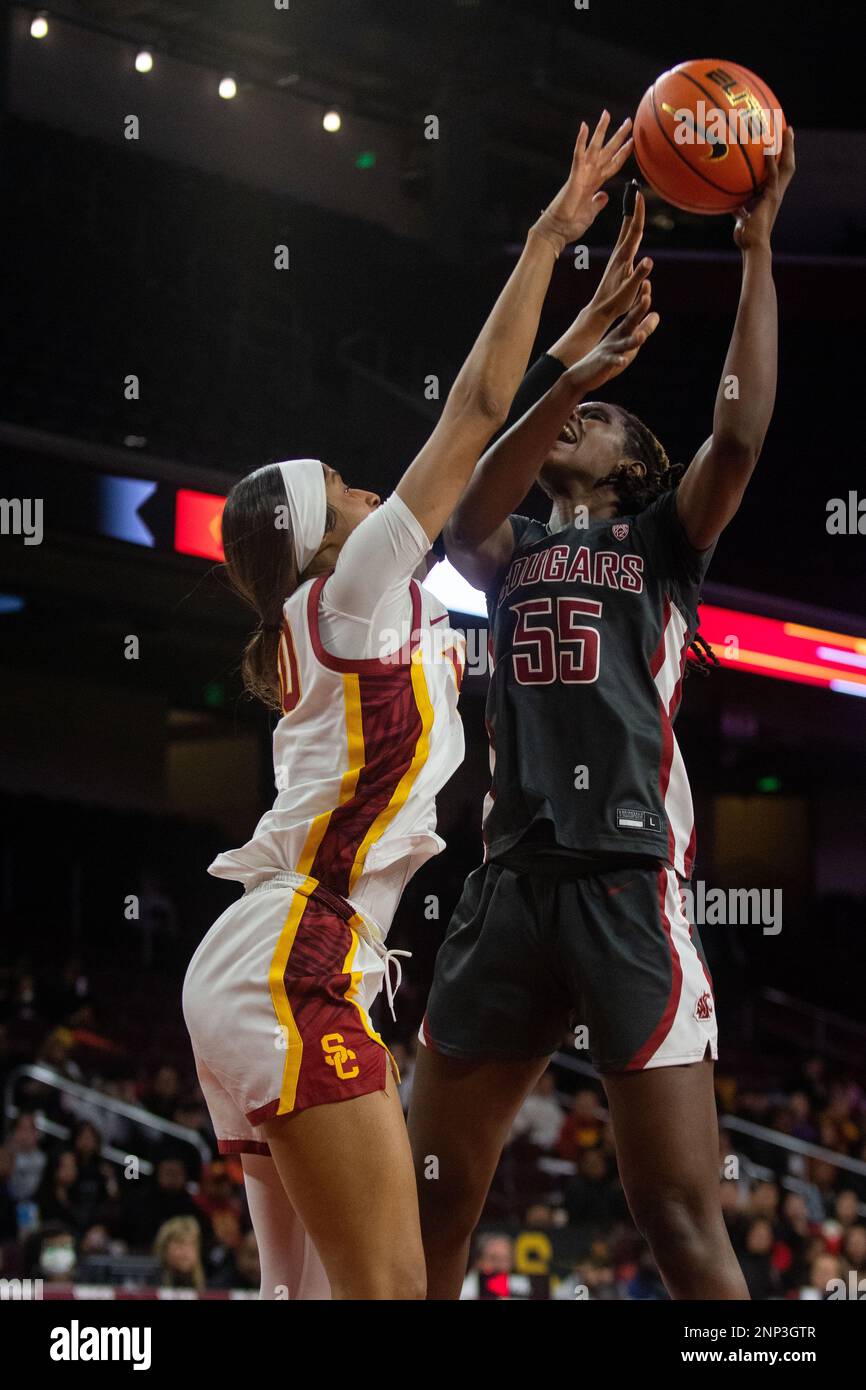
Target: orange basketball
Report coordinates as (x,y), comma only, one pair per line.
(703,132)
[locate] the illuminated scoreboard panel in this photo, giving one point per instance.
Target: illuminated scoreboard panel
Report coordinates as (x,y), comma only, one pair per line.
(787,651)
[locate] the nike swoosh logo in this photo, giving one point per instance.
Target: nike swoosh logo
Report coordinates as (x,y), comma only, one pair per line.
(612,892)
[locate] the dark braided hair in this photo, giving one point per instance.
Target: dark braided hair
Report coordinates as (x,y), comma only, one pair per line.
(636,491)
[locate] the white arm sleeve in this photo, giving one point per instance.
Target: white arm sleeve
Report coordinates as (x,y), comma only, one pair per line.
(365,607)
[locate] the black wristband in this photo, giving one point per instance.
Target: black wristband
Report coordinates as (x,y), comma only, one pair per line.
(538,380)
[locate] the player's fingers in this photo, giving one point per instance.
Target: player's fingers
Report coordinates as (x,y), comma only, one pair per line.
(599,132)
(630,342)
(771,166)
(614,165)
(643,294)
(639,215)
(634,230)
(788,162)
(633,317)
(580,144)
(619,136)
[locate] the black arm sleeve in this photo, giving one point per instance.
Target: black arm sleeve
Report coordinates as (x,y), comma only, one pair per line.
(538,380)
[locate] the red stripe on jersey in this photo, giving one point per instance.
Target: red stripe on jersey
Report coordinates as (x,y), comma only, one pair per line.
(392,662)
(391,724)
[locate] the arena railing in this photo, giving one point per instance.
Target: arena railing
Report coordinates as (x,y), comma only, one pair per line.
(89,1100)
(826,1033)
(786,1143)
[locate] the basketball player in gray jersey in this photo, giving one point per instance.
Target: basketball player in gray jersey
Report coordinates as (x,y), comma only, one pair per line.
(576,915)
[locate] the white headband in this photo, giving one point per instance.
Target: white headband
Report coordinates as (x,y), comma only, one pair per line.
(304,481)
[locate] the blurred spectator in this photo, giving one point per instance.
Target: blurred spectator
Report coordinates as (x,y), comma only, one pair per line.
(241,1270)
(28,1162)
(764,1201)
(646,1282)
(794,1233)
(593,1197)
(493,1262)
(165,1199)
(539,1119)
(581,1129)
(494,1254)
(821,1270)
(218,1193)
(161,1098)
(756,1260)
(597,1275)
(854,1250)
(50,1254)
(178,1248)
(847,1208)
(96,1188)
(56,1198)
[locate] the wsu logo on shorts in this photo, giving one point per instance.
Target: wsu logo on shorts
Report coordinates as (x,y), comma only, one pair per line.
(704,1007)
(620,530)
(337,1054)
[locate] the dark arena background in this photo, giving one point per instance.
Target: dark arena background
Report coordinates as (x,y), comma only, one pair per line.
(152,352)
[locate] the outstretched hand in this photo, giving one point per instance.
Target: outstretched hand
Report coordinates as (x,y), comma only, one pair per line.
(622,279)
(619,349)
(755,221)
(580,200)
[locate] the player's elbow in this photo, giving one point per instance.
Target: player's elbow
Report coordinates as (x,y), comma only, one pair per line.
(481,397)
(461,537)
(737,451)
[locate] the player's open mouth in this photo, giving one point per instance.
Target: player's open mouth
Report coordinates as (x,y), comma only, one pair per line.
(567,435)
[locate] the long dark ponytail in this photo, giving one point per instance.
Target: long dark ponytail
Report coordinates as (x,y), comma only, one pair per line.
(261,565)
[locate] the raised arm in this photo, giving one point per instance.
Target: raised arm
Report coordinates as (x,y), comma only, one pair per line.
(478,402)
(616,289)
(478,539)
(711,491)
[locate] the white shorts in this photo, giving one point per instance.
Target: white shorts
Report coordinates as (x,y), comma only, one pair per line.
(276,1000)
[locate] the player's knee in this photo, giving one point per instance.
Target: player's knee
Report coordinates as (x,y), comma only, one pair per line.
(674,1219)
(402,1278)
(451,1194)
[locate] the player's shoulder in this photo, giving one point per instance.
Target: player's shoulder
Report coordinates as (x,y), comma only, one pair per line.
(527,531)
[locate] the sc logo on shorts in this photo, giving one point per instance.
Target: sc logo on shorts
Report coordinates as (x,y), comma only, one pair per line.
(337,1055)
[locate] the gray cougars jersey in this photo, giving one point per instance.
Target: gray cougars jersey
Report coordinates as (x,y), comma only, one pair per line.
(589,630)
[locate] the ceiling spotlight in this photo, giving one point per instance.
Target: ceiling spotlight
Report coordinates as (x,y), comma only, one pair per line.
(228,88)
(332,121)
(39,27)
(143,61)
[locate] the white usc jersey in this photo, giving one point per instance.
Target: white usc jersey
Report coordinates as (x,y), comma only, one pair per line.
(360,752)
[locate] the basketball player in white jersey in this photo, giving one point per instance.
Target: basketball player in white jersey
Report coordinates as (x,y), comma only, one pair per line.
(363,669)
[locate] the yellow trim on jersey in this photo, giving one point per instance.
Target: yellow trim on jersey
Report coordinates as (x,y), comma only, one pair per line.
(282,1008)
(355,760)
(352,992)
(404,786)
